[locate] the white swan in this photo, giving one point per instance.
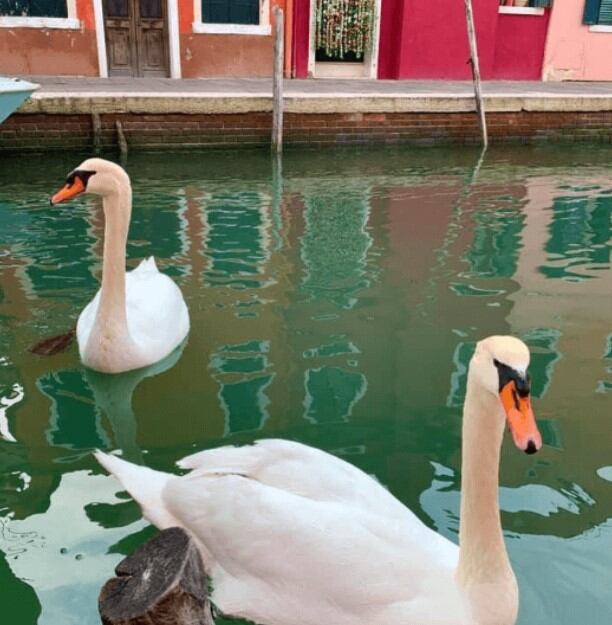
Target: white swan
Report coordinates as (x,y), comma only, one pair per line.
(294,536)
(136,318)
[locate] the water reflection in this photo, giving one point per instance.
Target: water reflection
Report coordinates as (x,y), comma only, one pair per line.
(113,396)
(335,244)
(242,372)
(337,302)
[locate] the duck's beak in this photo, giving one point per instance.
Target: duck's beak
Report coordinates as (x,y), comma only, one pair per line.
(69,191)
(521,419)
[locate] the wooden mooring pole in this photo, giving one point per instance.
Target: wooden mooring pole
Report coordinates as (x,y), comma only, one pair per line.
(476,71)
(279,53)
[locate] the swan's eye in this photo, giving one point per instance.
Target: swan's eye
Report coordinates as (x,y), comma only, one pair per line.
(507,374)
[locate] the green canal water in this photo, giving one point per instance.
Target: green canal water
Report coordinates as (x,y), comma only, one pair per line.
(336,302)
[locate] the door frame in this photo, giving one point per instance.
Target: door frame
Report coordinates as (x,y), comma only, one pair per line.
(174,49)
(370,59)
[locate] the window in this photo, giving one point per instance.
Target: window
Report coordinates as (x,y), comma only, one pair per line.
(598,12)
(230,11)
(525,7)
(34,8)
(38,14)
(240,17)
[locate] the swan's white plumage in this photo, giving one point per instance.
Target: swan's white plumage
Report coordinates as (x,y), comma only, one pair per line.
(138,318)
(294,536)
(157,316)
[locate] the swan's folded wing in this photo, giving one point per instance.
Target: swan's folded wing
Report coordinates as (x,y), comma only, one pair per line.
(278,557)
(298,469)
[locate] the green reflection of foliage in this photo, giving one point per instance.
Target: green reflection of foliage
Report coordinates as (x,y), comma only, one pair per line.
(335,247)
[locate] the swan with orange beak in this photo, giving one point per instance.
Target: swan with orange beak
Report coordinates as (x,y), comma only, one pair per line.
(325,543)
(139,317)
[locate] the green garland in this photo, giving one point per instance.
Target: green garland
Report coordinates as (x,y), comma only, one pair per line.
(344,26)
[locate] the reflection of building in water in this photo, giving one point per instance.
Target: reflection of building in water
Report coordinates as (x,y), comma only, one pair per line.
(332,393)
(74,418)
(566,279)
(334,251)
(243,374)
(335,244)
(238,238)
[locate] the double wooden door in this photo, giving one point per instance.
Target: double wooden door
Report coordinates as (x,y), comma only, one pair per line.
(136,37)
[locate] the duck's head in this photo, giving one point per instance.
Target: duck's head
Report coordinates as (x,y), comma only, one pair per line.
(499,366)
(94,175)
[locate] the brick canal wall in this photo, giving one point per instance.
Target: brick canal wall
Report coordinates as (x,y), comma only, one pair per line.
(49,131)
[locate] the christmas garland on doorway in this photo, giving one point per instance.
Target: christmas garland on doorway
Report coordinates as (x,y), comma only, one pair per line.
(344,26)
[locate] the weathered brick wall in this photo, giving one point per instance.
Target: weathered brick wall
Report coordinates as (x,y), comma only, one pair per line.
(46,131)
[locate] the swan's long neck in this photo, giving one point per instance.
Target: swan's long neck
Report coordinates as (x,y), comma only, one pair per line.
(482,552)
(111,318)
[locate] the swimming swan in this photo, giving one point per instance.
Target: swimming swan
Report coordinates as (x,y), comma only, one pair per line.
(136,318)
(292,535)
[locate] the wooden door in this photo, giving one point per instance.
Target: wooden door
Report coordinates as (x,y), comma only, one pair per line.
(136,37)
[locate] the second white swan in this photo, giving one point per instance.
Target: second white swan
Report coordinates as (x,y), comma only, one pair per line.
(136,318)
(294,536)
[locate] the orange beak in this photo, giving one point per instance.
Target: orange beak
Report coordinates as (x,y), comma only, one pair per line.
(521,419)
(69,191)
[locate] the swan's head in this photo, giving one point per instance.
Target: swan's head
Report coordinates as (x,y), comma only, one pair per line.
(95,175)
(499,366)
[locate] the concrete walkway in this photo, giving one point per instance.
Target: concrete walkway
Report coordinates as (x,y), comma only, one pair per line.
(305,88)
(226,95)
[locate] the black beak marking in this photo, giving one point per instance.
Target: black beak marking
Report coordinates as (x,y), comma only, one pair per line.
(522,383)
(531,447)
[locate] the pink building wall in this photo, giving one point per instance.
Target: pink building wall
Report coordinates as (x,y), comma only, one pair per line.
(573,52)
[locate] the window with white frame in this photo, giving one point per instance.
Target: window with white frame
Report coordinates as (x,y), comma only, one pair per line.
(528,7)
(249,17)
(38,14)
(34,8)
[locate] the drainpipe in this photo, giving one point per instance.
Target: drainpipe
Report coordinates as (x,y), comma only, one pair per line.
(288,69)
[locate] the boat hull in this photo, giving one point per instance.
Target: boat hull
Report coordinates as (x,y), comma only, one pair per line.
(13,93)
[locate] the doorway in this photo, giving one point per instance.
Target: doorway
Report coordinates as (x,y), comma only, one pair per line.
(344,38)
(136,37)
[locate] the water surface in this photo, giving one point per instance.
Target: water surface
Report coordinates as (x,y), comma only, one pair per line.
(336,302)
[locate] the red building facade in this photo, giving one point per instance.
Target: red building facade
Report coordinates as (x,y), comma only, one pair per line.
(420,39)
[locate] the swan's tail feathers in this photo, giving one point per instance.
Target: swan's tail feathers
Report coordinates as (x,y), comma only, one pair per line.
(146,266)
(144,485)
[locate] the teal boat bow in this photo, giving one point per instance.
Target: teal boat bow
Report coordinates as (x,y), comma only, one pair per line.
(13,93)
